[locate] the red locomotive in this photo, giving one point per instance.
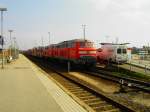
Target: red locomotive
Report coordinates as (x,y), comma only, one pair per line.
(110,52)
(76,51)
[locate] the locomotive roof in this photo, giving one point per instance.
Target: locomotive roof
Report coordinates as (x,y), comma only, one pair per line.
(74,40)
(77,40)
(114,43)
(54,45)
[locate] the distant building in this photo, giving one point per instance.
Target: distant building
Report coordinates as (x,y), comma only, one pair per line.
(143,54)
(135,50)
(146,48)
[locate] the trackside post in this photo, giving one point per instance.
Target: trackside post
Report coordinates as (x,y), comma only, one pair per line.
(68,66)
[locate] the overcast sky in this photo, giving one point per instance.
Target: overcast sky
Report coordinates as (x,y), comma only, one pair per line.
(106,20)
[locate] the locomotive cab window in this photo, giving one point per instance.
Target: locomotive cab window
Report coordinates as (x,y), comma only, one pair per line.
(70,44)
(119,51)
(86,44)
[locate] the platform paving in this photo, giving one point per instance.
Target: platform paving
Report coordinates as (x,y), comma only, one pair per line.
(25,88)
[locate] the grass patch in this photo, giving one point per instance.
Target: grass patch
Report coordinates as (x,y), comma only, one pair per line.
(127,73)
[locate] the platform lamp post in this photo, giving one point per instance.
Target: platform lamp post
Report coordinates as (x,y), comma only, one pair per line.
(14,38)
(10,31)
(2,10)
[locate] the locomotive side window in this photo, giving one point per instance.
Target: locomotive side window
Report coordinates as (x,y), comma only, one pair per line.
(68,44)
(124,51)
(73,44)
(64,45)
(81,44)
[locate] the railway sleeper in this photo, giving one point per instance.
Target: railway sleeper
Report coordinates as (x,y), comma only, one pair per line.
(72,87)
(98,103)
(83,94)
(112,110)
(86,97)
(65,82)
(79,92)
(69,84)
(92,100)
(103,107)
(75,90)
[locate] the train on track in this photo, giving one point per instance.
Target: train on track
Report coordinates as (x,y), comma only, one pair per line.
(77,51)
(110,52)
(83,52)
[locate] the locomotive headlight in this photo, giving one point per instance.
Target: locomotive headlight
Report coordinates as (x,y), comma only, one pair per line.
(82,52)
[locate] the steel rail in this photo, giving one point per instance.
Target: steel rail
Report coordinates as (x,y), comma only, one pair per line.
(134,83)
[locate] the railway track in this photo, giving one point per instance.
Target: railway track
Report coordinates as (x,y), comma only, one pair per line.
(130,82)
(94,101)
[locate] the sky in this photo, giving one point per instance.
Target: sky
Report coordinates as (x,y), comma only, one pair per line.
(105,20)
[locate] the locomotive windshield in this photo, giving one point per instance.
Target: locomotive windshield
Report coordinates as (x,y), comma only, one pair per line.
(121,51)
(86,44)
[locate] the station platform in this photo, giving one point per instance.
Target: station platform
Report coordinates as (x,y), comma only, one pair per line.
(141,63)
(143,66)
(24,87)
(135,68)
